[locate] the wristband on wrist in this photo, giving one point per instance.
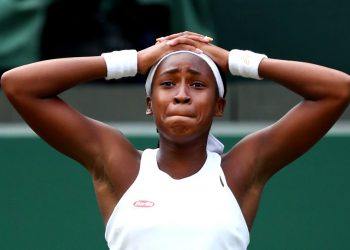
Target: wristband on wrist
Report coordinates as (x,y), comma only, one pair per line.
(245,63)
(120,64)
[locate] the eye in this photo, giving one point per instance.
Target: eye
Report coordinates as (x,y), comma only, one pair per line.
(167,84)
(198,85)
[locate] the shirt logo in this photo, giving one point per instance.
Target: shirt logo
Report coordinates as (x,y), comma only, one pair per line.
(143,203)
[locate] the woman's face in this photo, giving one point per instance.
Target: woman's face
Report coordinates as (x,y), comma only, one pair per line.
(184,97)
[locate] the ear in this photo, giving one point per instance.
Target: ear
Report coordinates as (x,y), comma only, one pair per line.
(149,106)
(220,107)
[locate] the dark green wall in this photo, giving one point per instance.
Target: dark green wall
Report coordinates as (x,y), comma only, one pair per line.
(47,200)
(315,31)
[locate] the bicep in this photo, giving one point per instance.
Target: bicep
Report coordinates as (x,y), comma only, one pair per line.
(261,154)
(293,135)
(64,128)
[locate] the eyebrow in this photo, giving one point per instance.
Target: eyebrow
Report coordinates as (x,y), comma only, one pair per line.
(176,70)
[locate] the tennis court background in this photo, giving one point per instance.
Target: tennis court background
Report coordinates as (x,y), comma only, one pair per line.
(47,200)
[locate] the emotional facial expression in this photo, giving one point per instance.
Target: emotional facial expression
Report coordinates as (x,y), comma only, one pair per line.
(184,96)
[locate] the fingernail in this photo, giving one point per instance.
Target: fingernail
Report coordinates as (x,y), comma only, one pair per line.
(207,38)
(160,39)
(199,50)
(169,42)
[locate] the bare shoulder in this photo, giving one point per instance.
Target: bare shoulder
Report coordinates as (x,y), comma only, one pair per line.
(239,164)
(115,169)
(118,157)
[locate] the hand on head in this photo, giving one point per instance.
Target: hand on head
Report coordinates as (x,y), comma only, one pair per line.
(181,41)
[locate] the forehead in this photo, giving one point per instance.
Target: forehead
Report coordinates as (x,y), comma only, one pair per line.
(185,60)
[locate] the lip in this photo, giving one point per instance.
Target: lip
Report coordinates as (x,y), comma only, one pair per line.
(181,113)
(180,117)
(179,121)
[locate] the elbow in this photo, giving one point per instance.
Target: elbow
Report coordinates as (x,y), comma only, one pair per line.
(346,92)
(8,84)
(342,91)
(348,87)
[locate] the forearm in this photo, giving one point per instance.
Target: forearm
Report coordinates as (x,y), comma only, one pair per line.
(312,82)
(49,78)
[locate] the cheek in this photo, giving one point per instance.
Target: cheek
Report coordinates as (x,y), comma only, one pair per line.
(208,101)
(159,104)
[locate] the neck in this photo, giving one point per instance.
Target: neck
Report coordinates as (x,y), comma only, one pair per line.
(181,160)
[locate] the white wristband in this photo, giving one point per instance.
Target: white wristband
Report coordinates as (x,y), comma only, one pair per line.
(245,63)
(120,64)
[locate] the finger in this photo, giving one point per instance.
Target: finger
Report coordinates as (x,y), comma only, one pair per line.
(187,40)
(199,38)
(180,40)
(172,36)
(205,39)
(186,47)
(188,34)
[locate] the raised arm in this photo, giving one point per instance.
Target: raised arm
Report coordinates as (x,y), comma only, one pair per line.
(326,94)
(33,91)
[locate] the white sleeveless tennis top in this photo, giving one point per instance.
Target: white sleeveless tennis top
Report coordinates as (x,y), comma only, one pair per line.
(158,212)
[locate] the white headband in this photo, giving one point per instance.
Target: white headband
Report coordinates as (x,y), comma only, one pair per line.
(206,58)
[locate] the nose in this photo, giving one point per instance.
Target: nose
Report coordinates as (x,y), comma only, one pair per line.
(182,96)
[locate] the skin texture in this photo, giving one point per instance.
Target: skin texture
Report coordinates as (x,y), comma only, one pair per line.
(183,103)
